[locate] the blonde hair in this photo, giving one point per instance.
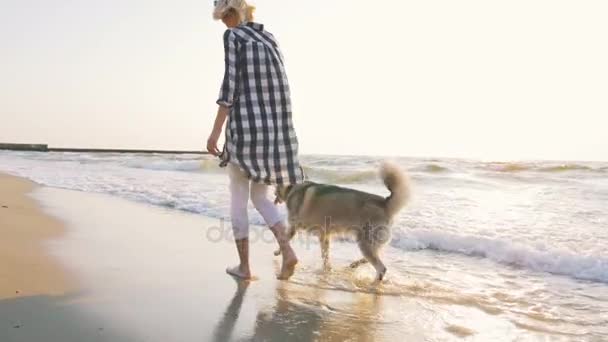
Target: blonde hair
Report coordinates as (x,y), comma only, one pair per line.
(241,7)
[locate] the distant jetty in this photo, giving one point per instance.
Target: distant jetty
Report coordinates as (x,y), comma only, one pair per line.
(24,147)
(46,148)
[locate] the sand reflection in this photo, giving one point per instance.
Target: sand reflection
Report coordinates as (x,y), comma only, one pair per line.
(305,313)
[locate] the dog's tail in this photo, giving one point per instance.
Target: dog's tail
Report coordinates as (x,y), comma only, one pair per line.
(398,184)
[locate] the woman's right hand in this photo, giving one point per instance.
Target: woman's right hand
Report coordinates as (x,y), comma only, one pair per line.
(212,145)
(222,114)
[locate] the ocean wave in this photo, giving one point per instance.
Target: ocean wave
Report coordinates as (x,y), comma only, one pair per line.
(560,262)
(339,177)
(567,167)
(434,168)
(204,165)
(361,176)
(352,174)
(212,166)
(521,167)
(82,158)
(510,167)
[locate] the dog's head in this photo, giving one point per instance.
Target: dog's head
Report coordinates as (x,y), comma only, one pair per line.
(281,192)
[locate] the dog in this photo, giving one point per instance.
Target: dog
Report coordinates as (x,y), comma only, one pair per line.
(327,210)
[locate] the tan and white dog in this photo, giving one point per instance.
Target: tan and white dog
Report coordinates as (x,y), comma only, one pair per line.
(329,210)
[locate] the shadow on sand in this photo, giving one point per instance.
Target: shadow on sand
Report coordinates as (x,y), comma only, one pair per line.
(49,318)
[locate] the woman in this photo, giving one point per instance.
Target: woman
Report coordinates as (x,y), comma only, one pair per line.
(261,146)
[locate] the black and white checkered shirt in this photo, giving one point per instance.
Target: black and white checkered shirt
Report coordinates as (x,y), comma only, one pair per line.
(260,137)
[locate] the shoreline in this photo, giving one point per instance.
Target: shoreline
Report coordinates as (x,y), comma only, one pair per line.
(27,268)
(153,273)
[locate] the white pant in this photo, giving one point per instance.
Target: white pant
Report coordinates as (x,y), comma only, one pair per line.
(240,190)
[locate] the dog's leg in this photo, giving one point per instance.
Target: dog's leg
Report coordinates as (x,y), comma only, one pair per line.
(324,240)
(370,252)
(358,263)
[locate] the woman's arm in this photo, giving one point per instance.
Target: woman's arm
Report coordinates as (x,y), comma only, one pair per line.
(227,91)
(220,119)
(229,84)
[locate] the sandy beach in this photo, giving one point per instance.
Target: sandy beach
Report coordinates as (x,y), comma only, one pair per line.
(151,274)
(25,267)
(118,270)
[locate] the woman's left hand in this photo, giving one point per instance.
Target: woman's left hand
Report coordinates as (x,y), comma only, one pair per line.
(212,145)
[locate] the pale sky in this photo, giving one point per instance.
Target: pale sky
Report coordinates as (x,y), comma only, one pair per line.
(516,79)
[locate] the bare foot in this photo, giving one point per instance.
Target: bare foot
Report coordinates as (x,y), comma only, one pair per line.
(237,272)
(289,266)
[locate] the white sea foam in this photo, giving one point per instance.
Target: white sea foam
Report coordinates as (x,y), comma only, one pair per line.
(555,261)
